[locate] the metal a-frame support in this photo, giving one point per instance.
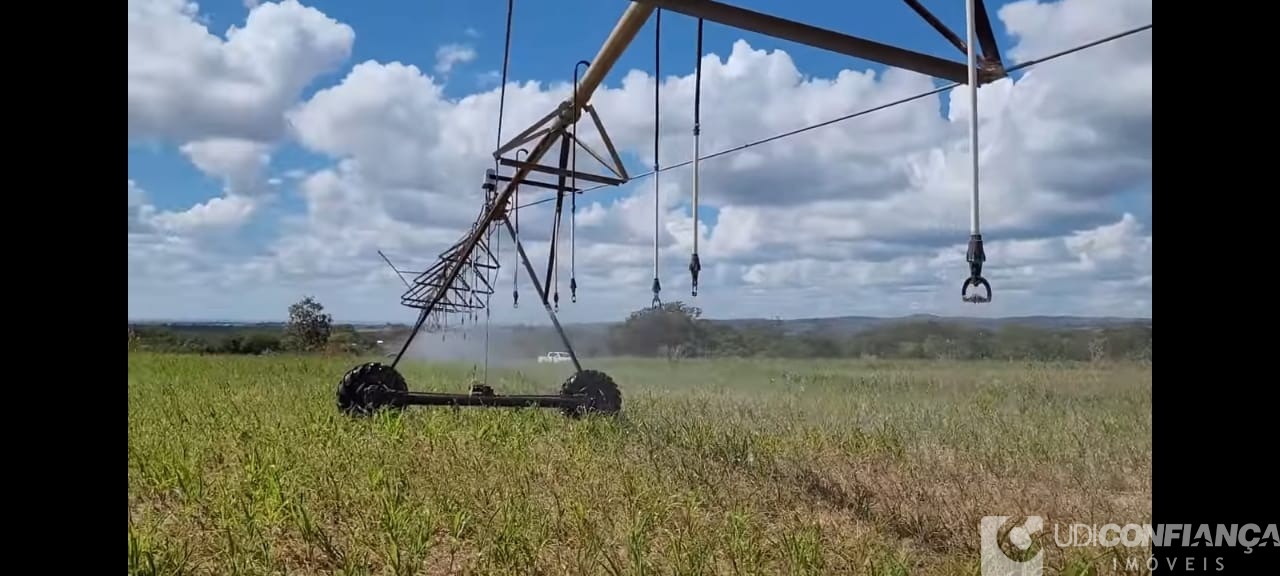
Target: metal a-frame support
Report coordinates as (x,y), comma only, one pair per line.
(564,172)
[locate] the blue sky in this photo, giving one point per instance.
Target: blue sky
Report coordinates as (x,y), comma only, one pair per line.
(548,38)
(541,50)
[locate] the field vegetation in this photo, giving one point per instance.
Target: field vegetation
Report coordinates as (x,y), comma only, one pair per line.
(243,465)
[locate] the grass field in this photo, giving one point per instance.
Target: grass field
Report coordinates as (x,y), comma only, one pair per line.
(244,466)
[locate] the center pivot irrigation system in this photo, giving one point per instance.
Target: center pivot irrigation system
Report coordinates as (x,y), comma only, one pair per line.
(461,280)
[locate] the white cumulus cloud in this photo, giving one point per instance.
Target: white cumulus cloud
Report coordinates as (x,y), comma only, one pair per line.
(187,84)
(868,216)
(451,55)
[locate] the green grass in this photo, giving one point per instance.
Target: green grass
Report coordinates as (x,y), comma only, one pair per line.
(244,466)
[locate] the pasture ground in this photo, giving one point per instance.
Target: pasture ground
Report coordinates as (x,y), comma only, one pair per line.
(242,465)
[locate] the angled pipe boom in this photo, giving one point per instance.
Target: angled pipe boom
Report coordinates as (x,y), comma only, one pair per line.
(802,33)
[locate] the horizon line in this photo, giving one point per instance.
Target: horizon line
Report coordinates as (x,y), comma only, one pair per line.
(745,318)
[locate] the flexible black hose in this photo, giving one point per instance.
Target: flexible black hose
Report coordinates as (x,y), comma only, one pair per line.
(657,123)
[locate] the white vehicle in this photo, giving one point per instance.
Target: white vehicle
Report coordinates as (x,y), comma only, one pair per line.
(554,358)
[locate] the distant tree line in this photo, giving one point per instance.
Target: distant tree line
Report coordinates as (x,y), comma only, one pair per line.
(309,330)
(676,330)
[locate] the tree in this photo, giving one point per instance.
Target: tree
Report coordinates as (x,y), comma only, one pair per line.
(259,343)
(309,327)
(1098,347)
(669,329)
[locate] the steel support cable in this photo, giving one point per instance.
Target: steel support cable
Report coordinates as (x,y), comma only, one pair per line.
(502,100)
(866,111)
(502,92)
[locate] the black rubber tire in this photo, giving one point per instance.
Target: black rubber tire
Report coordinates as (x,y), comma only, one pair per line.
(352,387)
(603,396)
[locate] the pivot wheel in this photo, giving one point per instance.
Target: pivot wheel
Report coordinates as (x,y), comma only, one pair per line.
(368,388)
(601,394)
